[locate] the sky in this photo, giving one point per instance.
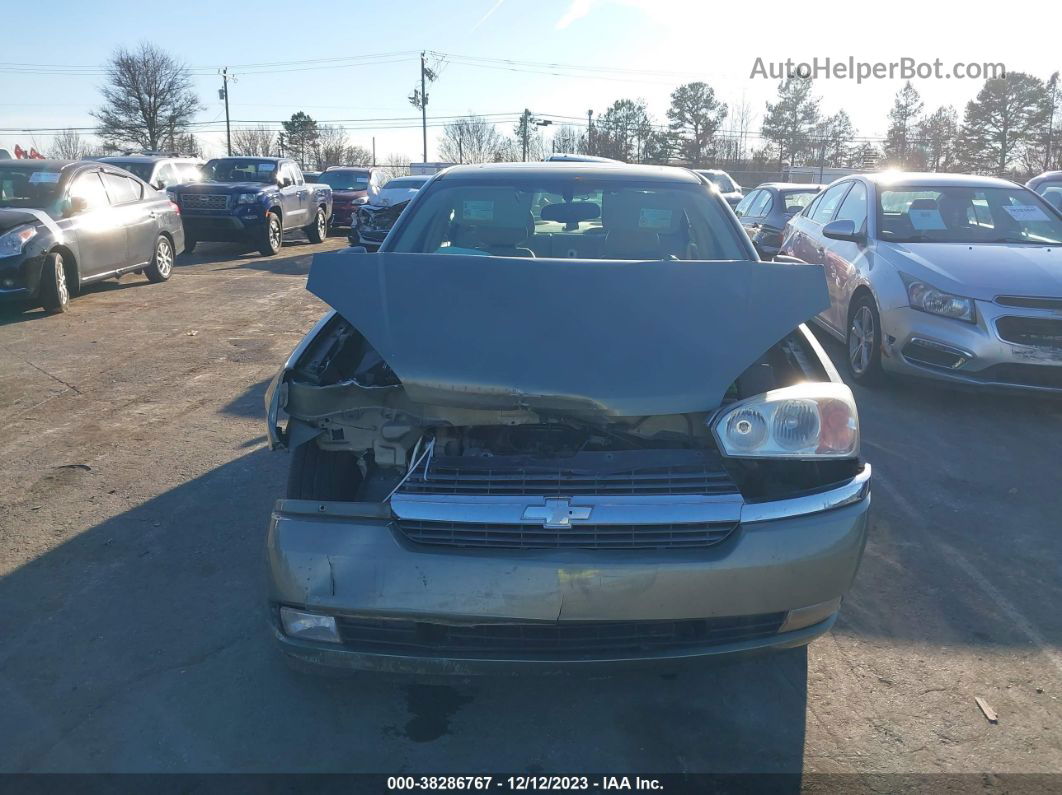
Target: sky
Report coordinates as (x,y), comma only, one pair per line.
(558,58)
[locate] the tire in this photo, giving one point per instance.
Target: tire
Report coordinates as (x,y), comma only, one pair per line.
(271,238)
(161,267)
(863,342)
(55,290)
(317,474)
(189,244)
(318,230)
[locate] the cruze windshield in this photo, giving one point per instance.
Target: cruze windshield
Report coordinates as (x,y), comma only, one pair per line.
(240,170)
(568,217)
(961,214)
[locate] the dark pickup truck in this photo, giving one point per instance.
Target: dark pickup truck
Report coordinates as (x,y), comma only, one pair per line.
(253,200)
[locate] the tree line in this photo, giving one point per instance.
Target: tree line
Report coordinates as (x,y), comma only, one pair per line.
(1012,127)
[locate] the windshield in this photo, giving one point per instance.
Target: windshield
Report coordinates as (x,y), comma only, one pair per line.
(29,187)
(721,181)
(961,214)
(138,167)
(797,200)
(572,218)
(345,180)
(240,169)
(406,183)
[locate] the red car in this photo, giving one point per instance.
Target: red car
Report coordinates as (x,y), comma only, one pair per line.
(350,186)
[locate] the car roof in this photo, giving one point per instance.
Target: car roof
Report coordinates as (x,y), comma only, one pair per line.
(586,170)
(932,180)
(42,165)
(790,186)
(348,168)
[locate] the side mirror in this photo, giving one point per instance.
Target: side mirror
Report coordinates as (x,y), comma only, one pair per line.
(77,204)
(843,230)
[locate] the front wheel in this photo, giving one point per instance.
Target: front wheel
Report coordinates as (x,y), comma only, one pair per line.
(863,341)
(318,230)
(162,263)
(55,292)
(271,236)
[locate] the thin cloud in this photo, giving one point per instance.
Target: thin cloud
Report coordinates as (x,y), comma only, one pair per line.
(577,10)
(487,16)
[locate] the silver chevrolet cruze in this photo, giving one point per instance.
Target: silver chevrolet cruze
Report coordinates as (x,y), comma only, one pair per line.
(945,276)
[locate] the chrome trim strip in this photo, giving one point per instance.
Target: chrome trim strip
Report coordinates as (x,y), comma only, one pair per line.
(855,490)
(604,509)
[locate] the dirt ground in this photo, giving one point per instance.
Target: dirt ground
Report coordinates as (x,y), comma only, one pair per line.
(136,491)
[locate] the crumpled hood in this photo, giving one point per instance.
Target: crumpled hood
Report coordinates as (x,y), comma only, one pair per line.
(13,217)
(981,271)
(616,337)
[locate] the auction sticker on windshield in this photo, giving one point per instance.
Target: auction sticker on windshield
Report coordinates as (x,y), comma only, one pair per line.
(40,177)
(478,210)
(1026,212)
(926,219)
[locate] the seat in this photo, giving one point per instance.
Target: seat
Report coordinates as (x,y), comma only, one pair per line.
(627,235)
(495,221)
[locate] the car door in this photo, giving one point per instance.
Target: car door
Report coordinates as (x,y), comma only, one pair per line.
(101,236)
(757,214)
(140,218)
(847,259)
(817,248)
(291,198)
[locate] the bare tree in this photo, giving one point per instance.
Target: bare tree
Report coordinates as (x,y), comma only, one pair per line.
(567,139)
(471,139)
(358,155)
(332,147)
(253,141)
(147,99)
(69,145)
(395,165)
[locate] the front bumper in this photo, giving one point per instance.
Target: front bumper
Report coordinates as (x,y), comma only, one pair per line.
(972,354)
(222,227)
(20,276)
(348,560)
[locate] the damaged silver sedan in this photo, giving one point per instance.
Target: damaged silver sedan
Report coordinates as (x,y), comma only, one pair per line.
(563,418)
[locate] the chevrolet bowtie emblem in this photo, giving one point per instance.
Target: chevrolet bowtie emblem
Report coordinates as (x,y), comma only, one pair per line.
(557,513)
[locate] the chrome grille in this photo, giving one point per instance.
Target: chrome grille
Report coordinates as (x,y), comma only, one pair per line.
(1043,332)
(551,640)
(205,201)
(577,536)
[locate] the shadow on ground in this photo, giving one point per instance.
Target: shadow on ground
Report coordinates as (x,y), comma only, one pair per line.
(142,645)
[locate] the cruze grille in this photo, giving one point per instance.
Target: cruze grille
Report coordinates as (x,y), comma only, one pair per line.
(1035,331)
(204,201)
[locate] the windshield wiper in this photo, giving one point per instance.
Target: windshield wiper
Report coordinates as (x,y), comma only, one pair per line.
(1020,240)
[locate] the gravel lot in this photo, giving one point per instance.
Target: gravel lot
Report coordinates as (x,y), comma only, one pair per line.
(136,490)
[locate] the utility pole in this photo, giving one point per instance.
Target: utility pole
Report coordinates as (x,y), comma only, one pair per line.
(423,107)
(589,132)
(280,142)
(460,151)
(225,94)
(524,121)
(374,150)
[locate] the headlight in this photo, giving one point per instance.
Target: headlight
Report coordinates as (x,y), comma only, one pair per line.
(927,298)
(361,200)
(12,243)
(813,420)
(247,198)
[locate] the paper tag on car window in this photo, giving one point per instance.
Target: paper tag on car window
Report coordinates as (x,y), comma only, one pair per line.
(652,218)
(1026,212)
(267,166)
(39,177)
(926,219)
(477,210)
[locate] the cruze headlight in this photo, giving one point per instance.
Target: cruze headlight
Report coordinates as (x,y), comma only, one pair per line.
(928,298)
(246,198)
(11,243)
(812,420)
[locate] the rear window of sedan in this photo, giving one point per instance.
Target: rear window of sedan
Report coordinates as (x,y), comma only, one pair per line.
(571,218)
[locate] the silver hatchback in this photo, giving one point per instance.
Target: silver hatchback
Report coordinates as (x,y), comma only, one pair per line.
(945,276)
